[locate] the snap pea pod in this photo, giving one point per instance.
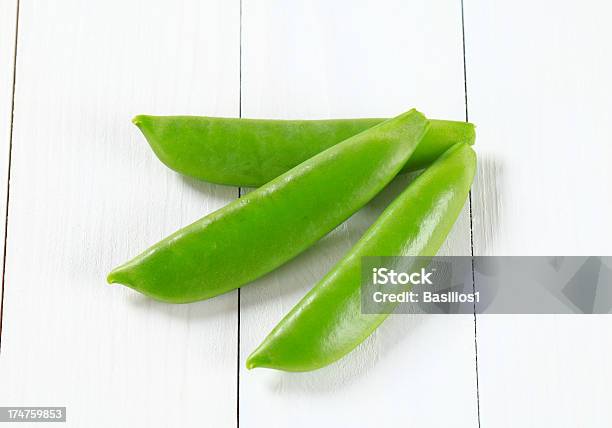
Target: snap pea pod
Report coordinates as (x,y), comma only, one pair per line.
(327,323)
(262,230)
(251,152)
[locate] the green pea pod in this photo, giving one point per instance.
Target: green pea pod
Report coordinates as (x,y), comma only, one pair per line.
(327,323)
(251,152)
(262,230)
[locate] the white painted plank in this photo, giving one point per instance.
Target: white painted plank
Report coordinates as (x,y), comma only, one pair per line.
(539,90)
(323,59)
(8,28)
(87,193)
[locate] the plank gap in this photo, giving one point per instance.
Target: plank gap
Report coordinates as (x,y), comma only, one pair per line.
(8,180)
(465,89)
(239,195)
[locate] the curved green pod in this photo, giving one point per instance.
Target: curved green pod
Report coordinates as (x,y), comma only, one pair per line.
(251,152)
(327,323)
(262,230)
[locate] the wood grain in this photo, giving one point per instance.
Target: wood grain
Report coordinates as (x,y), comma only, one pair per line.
(341,59)
(539,90)
(87,193)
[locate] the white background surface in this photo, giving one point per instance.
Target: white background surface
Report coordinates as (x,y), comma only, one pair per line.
(86,193)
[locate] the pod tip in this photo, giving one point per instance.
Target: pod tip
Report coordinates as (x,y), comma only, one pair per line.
(111,279)
(471,134)
(117,276)
(257,360)
(137,120)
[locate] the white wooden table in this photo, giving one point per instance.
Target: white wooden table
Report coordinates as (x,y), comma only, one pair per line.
(84,193)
